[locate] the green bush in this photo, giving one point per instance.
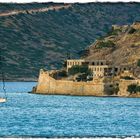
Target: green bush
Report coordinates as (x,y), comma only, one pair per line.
(127,78)
(133,88)
(138,88)
(112,89)
(116,89)
(131,30)
(62,73)
(105,44)
(138,63)
(79,69)
(114,32)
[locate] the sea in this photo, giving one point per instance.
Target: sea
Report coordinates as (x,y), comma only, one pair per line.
(53,116)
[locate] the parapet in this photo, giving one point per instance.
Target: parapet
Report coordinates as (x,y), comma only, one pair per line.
(136,25)
(43,71)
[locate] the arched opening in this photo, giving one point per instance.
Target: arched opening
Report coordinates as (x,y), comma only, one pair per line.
(101,63)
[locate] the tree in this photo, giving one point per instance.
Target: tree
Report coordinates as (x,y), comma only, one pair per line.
(132,88)
(127,78)
(138,63)
(131,30)
(105,44)
(116,89)
(79,69)
(138,88)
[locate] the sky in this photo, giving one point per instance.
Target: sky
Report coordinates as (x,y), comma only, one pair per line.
(65,1)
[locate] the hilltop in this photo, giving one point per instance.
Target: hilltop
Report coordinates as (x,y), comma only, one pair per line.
(121,45)
(41,39)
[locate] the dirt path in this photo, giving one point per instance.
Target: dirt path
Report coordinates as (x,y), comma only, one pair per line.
(16,12)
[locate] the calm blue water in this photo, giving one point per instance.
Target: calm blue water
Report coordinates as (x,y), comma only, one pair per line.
(30,115)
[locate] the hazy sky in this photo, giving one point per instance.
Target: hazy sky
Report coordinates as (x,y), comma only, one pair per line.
(66,1)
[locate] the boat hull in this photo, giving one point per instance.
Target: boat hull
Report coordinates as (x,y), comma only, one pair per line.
(2,100)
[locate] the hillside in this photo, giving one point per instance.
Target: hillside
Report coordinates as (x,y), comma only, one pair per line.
(34,40)
(121,45)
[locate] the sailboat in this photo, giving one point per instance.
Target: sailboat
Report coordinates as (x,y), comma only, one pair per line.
(2,100)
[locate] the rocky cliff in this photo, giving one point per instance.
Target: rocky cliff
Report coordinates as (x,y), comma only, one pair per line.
(121,45)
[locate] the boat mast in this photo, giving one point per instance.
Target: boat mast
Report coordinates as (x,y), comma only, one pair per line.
(2,74)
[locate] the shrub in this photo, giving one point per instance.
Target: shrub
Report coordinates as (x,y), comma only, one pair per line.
(131,30)
(132,88)
(138,63)
(79,69)
(116,89)
(105,44)
(114,32)
(138,88)
(127,78)
(62,73)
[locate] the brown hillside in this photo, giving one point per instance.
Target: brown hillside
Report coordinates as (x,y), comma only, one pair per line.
(121,45)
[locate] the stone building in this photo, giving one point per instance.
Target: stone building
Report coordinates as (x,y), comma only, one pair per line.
(99,68)
(73,62)
(96,66)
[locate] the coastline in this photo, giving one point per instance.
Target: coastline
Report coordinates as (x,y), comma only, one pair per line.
(20,80)
(103,96)
(47,85)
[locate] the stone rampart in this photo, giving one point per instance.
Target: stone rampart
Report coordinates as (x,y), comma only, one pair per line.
(123,85)
(48,85)
(97,87)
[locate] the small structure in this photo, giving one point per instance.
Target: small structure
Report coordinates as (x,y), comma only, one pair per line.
(96,66)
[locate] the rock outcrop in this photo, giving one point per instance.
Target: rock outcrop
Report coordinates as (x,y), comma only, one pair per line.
(121,45)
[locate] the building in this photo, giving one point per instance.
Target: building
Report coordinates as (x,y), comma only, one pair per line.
(73,62)
(96,66)
(99,68)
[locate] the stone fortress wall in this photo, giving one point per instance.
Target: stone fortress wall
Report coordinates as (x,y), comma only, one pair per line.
(48,85)
(123,85)
(106,78)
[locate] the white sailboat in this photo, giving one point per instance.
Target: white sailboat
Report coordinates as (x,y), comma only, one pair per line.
(2,100)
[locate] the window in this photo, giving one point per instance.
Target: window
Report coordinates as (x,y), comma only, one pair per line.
(116,69)
(97,63)
(124,68)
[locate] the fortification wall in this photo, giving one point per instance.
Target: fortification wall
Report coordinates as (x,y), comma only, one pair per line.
(123,85)
(48,85)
